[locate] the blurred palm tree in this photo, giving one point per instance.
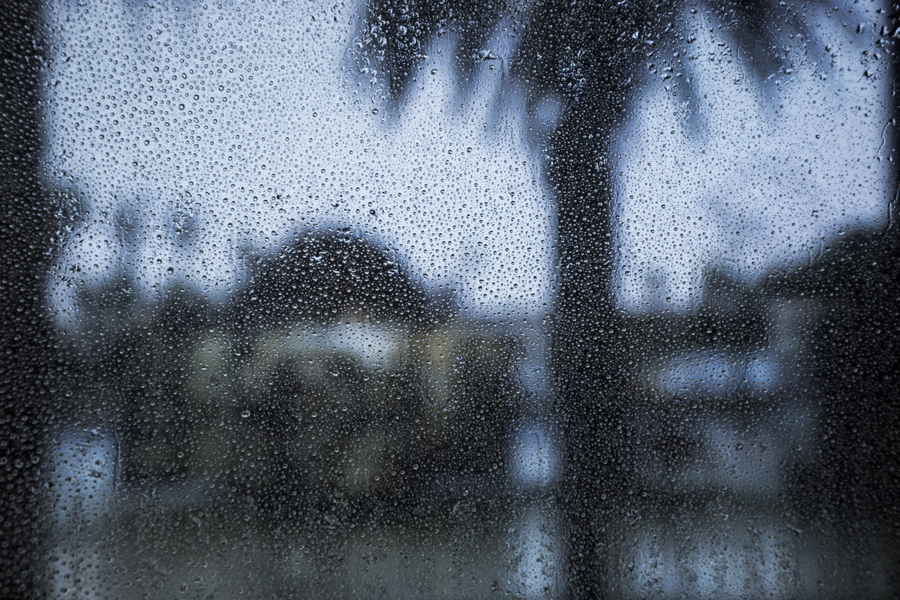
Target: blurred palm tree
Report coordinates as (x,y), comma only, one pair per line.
(589,56)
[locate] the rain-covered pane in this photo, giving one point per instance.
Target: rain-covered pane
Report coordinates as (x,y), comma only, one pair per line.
(399,299)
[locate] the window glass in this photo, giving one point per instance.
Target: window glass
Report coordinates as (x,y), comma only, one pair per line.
(414,299)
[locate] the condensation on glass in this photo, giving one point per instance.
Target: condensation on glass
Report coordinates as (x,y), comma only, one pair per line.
(446,300)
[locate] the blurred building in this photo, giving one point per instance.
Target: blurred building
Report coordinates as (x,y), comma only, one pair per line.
(756,452)
(331,395)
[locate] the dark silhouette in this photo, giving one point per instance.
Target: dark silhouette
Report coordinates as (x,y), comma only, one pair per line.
(29,364)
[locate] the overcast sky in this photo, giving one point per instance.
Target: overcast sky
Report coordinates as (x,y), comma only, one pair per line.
(751,170)
(218,131)
(255,123)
